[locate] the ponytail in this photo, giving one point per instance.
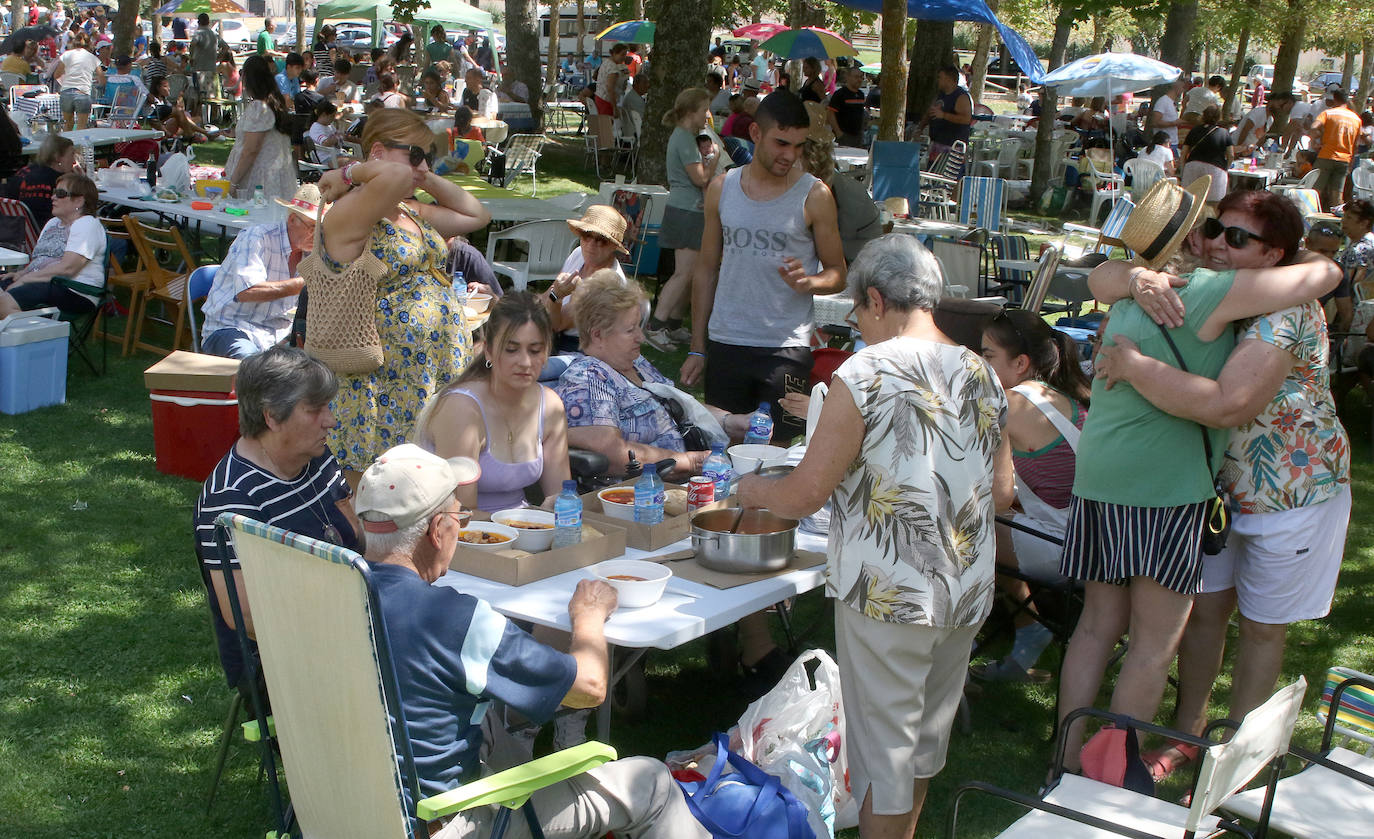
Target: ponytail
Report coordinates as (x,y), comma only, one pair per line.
(1053,354)
(1068,377)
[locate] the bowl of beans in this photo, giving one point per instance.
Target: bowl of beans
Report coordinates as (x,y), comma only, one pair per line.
(637,583)
(487,536)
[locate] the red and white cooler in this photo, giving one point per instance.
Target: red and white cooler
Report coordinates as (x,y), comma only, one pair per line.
(195,412)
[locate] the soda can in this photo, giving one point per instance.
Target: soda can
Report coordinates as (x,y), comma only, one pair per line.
(700,492)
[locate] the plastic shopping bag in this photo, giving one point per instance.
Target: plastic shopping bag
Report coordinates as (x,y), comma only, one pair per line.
(796,731)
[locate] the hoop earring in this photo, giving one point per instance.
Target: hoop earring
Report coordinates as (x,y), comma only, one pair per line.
(488,363)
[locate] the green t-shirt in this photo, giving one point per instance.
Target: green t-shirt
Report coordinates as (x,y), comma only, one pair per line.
(1131,452)
(682,150)
(265,42)
(439,50)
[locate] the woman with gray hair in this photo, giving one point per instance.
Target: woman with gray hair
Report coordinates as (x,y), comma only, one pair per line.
(909,451)
(279,472)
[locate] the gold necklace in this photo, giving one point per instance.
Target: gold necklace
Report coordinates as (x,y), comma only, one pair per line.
(331,533)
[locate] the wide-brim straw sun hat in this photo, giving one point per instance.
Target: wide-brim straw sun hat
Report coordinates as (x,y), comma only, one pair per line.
(306,202)
(602,220)
(1156,227)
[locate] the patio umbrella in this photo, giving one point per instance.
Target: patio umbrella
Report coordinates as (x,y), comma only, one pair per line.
(759,31)
(27,33)
(808,42)
(195,7)
(629,31)
(872,68)
(1107,75)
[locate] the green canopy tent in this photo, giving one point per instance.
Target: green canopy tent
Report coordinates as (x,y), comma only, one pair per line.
(455,13)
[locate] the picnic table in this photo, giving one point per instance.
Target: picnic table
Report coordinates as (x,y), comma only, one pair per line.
(12,259)
(182,214)
(507,205)
(848,157)
(96,137)
(1248,178)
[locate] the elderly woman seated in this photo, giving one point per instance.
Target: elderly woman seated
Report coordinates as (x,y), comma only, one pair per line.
(610,409)
(71,246)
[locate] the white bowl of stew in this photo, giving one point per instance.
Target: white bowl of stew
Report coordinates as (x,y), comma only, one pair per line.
(534,528)
(637,583)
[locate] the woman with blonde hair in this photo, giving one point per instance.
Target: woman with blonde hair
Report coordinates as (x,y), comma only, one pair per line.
(498,414)
(684,218)
(377,226)
(858,216)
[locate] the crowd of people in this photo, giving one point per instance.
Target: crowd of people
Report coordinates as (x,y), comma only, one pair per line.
(372,419)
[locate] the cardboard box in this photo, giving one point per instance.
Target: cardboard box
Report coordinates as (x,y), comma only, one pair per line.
(516,568)
(192,371)
(644,537)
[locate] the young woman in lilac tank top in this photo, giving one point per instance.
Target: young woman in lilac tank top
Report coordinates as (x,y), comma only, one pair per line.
(498,414)
(1047,402)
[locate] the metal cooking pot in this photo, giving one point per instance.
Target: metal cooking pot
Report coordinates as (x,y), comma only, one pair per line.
(776,471)
(764,544)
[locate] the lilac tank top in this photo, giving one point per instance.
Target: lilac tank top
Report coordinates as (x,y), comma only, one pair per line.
(502,485)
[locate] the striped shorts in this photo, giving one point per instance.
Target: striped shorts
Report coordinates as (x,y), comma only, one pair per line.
(1110,543)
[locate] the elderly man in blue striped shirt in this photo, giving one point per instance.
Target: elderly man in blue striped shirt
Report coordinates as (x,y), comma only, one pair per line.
(252,301)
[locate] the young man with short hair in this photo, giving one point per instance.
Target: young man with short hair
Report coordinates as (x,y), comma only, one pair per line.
(1337,129)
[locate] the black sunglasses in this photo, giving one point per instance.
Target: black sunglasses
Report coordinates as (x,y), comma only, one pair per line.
(61,193)
(1236,237)
(418,154)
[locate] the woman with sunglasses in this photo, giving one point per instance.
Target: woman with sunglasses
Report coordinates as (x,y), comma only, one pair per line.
(1047,403)
(261,156)
(1287,457)
(72,244)
(498,414)
(424,334)
(601,240)
(1143,487)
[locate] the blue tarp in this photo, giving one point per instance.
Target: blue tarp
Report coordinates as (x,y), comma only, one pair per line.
(974,10)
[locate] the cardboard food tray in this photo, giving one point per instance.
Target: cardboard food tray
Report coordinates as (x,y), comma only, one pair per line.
(685,566)
(644,537)
(517,568)
(192,371)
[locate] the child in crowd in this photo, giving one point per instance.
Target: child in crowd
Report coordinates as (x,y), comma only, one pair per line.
(323,133)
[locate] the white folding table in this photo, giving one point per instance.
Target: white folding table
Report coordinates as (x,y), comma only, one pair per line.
(686,611)
(12,259)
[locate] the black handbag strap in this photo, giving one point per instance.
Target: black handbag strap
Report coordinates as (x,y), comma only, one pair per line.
(1182,365)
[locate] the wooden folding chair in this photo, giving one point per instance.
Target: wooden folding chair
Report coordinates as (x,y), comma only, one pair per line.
(166,285)
(135,280)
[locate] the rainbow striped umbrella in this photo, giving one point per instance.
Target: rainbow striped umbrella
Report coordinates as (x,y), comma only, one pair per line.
(629,31)
(759,30)
(808,42)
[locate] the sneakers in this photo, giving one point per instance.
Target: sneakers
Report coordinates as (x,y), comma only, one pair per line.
(681,335)
(659,339)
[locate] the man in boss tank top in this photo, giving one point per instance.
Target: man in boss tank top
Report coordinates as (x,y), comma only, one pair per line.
(951,114)
(771,243)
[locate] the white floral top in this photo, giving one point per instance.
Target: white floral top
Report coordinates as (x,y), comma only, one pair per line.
(1295,453)
(911,528)
(274,169)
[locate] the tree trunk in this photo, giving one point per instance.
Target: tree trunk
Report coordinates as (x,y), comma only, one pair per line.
(1365,67)
(805,13)
(1237,67)
(1348,70)
(580,51)
(638,10)
(684,36)
(522,53)
(932,48)
(892,117)
(1176,47)
(1099,34)
(1049,104)
(124,27)
(1291,32)
(303,46)
(555,19)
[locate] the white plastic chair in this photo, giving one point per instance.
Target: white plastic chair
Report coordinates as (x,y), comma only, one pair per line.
(548,244)
(1362,183)
(1004,164)
(1142,174)
(1107,185)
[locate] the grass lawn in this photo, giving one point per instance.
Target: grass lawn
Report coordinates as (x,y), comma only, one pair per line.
(111,696)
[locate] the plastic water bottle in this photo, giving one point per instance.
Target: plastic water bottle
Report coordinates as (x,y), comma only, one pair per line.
(88,160)
(717,468)
(649,496)
(760,425)
(567,516)
(259,197)
(460,293)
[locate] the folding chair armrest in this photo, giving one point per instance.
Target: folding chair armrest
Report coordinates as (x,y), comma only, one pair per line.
(1325,762)
(1071,227)
(927,177)
(1036,804)
(251,732)
(1018,264)
(513,787)
(82,288)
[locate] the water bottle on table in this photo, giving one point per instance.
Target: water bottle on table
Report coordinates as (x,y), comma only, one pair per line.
(717,468)
(567,516)
(760,425)
(259,197)
(649,496)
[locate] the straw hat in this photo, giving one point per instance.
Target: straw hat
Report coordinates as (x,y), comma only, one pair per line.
(602,220)
(306,202)
(1166,214)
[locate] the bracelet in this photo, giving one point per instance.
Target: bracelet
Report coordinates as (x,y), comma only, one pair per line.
(1131,285)
(552,296)
(344,173)
(697,354)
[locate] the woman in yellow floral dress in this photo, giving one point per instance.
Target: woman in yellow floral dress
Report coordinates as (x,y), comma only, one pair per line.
(910,452)
(424,336)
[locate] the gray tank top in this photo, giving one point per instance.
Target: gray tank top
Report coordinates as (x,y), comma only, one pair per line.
(754,307)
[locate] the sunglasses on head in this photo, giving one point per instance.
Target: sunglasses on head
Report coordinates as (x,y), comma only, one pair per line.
(61,193)
(1236,237)
(418,154)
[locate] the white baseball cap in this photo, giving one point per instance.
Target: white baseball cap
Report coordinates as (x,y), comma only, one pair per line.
(405,483)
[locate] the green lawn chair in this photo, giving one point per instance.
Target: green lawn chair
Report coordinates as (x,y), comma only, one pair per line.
(334,693)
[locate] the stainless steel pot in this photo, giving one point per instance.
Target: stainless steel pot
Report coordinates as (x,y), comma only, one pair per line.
(765,543)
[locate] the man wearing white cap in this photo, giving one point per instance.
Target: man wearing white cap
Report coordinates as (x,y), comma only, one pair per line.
(454,655)
(253,296)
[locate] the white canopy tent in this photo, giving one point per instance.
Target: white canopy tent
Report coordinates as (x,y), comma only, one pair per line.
(455,13)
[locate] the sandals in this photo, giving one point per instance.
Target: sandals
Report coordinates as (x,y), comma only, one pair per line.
(1169,758)
(1008,670)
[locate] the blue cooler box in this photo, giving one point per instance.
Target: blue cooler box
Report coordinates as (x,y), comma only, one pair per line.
(33,363)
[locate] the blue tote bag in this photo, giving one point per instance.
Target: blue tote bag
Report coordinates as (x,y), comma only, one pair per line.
(746,804)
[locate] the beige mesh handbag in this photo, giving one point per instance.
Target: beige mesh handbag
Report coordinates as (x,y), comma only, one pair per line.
(341,318)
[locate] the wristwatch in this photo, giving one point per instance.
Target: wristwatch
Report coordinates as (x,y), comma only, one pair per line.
(552,296)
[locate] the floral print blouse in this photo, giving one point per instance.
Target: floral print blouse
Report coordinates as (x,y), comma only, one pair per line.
(1295,453)
(911,528)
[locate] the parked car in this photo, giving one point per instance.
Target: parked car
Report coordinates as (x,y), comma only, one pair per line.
(1265,73)
(236,35)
